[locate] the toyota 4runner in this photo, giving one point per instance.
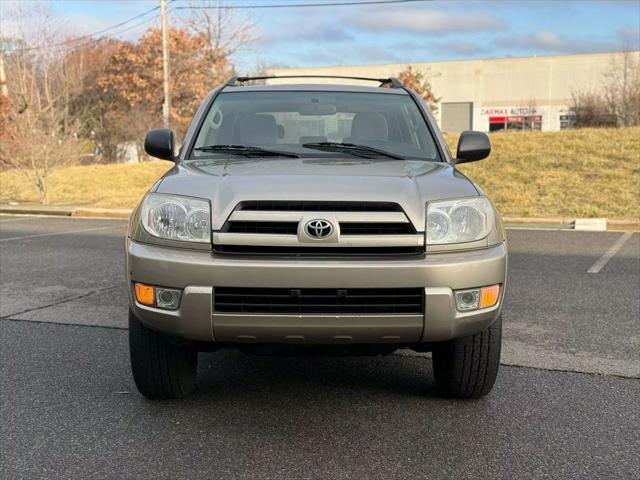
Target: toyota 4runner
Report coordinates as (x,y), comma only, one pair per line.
(315,217)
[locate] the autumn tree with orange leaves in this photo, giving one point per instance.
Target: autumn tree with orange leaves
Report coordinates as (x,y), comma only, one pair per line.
(65,95)
(130,87)
(419,83)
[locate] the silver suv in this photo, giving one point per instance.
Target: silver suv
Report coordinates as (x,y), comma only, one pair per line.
(315,218)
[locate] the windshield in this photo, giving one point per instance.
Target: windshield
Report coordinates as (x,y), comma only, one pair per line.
(316,124)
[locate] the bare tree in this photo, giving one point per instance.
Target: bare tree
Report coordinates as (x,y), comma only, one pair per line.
(622,88)
(617,101)
(227,31)
(589,109)
(39,134)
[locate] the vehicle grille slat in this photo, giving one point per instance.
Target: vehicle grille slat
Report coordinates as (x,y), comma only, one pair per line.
(297,216)
(350,228)
(319,301)
(280,228)
(312,206)
(376,228)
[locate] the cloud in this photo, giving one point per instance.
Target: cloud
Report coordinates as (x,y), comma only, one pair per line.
(373,54)
(320,56)
(425,21)
(462,47)
(286,31)
(441,49)
(548,42)
(540,40)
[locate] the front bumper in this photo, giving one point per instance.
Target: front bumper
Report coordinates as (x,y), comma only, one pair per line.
(199,272)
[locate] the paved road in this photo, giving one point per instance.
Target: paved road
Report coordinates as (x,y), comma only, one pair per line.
(70,409)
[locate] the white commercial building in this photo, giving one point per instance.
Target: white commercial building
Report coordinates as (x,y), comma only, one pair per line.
(499,93)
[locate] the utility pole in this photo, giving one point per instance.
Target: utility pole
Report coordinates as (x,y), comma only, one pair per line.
(166,105)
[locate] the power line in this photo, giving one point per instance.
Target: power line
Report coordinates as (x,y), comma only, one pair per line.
(89,41)
(298,5)
(129,28)
(99,32)
(78,41)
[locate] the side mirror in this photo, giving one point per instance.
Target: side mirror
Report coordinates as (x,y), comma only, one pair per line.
(472,146)
(159,143)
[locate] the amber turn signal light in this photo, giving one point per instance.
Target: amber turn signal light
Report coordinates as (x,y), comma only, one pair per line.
(489,296)
(144,294)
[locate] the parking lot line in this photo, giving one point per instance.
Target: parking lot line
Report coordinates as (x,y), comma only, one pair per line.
(4,219)
(608,255)
(67,232)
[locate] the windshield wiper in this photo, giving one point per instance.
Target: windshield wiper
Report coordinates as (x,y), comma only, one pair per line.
(358,150)
(245,150)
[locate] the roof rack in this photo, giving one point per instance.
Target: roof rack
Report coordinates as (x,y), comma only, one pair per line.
(391,82)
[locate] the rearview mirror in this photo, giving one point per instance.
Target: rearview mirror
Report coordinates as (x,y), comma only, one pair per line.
(309,109)
(159,143)
(472,146)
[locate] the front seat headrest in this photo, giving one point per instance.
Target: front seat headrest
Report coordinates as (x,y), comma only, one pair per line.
(370,126)
(259,130)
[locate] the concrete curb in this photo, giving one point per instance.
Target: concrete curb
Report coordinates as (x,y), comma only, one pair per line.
(103,212)
(66,211)
(568,222)
(125,213)
(539,220)
(624,224)
(37,210)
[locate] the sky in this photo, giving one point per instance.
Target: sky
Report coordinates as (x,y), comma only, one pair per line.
(417,31)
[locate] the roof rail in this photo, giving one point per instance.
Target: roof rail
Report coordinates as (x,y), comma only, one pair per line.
(384,82)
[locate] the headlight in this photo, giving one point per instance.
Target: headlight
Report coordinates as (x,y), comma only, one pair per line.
(458,221)
(174,217)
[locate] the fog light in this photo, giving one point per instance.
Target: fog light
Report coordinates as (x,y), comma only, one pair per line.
(476,298)
(144,294)
(489,296)
(167,298)
(467,299)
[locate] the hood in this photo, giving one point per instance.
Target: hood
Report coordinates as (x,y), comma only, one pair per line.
(226,182)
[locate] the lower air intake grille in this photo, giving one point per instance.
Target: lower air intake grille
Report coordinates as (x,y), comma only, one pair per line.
(319,300)
(317,251)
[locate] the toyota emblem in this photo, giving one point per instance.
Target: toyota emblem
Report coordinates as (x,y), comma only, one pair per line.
(318,228)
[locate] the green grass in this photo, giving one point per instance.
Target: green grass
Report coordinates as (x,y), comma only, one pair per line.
(573,173)
(107,186)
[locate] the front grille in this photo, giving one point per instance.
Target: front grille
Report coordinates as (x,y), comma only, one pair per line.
(308,206)
(319,300)
(265,227)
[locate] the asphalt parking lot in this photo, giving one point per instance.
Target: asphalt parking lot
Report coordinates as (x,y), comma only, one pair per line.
(565,404)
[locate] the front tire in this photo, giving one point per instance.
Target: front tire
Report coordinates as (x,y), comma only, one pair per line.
(161,369)
(467,367)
